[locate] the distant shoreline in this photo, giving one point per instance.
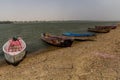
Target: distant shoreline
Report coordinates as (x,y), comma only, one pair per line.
(6,22)
(68,21)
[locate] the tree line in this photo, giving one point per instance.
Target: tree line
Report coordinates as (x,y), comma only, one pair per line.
(6,22)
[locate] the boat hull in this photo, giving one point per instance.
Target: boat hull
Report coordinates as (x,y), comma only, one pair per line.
(98,30)
(106,27)
(15,58)
(78,35)
(61,42)
(92,38)
(66,43)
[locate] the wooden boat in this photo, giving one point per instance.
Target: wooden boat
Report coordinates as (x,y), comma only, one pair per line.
(60,41)
(91,38)
(12,54)
(106,27)
(98,30)
(78,34)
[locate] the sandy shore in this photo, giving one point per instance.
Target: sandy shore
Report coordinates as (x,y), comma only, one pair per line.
(91,60)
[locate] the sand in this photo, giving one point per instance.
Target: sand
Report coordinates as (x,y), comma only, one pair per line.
(89,60)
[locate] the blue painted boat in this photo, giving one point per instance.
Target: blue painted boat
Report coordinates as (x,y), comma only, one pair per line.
(78,34)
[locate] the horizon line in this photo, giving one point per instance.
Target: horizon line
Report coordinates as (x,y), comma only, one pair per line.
(55,20)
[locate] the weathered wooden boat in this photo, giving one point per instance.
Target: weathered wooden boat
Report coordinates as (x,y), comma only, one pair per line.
(14,54)
(59,41)
(106,27)
(98,30)
(78,34)
(91,38)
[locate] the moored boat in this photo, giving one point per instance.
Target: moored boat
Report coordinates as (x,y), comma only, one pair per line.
(106,27)
(78,34)
(14,53)
(98,30)
(60,41)
(91,38)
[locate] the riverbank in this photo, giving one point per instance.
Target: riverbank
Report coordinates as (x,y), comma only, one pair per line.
(90,60)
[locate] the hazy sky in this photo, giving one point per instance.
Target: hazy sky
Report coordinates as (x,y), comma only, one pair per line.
(59,10)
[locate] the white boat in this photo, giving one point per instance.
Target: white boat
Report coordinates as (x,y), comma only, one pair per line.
(14,56)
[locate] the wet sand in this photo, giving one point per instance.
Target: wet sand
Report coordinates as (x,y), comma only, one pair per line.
(90,60)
